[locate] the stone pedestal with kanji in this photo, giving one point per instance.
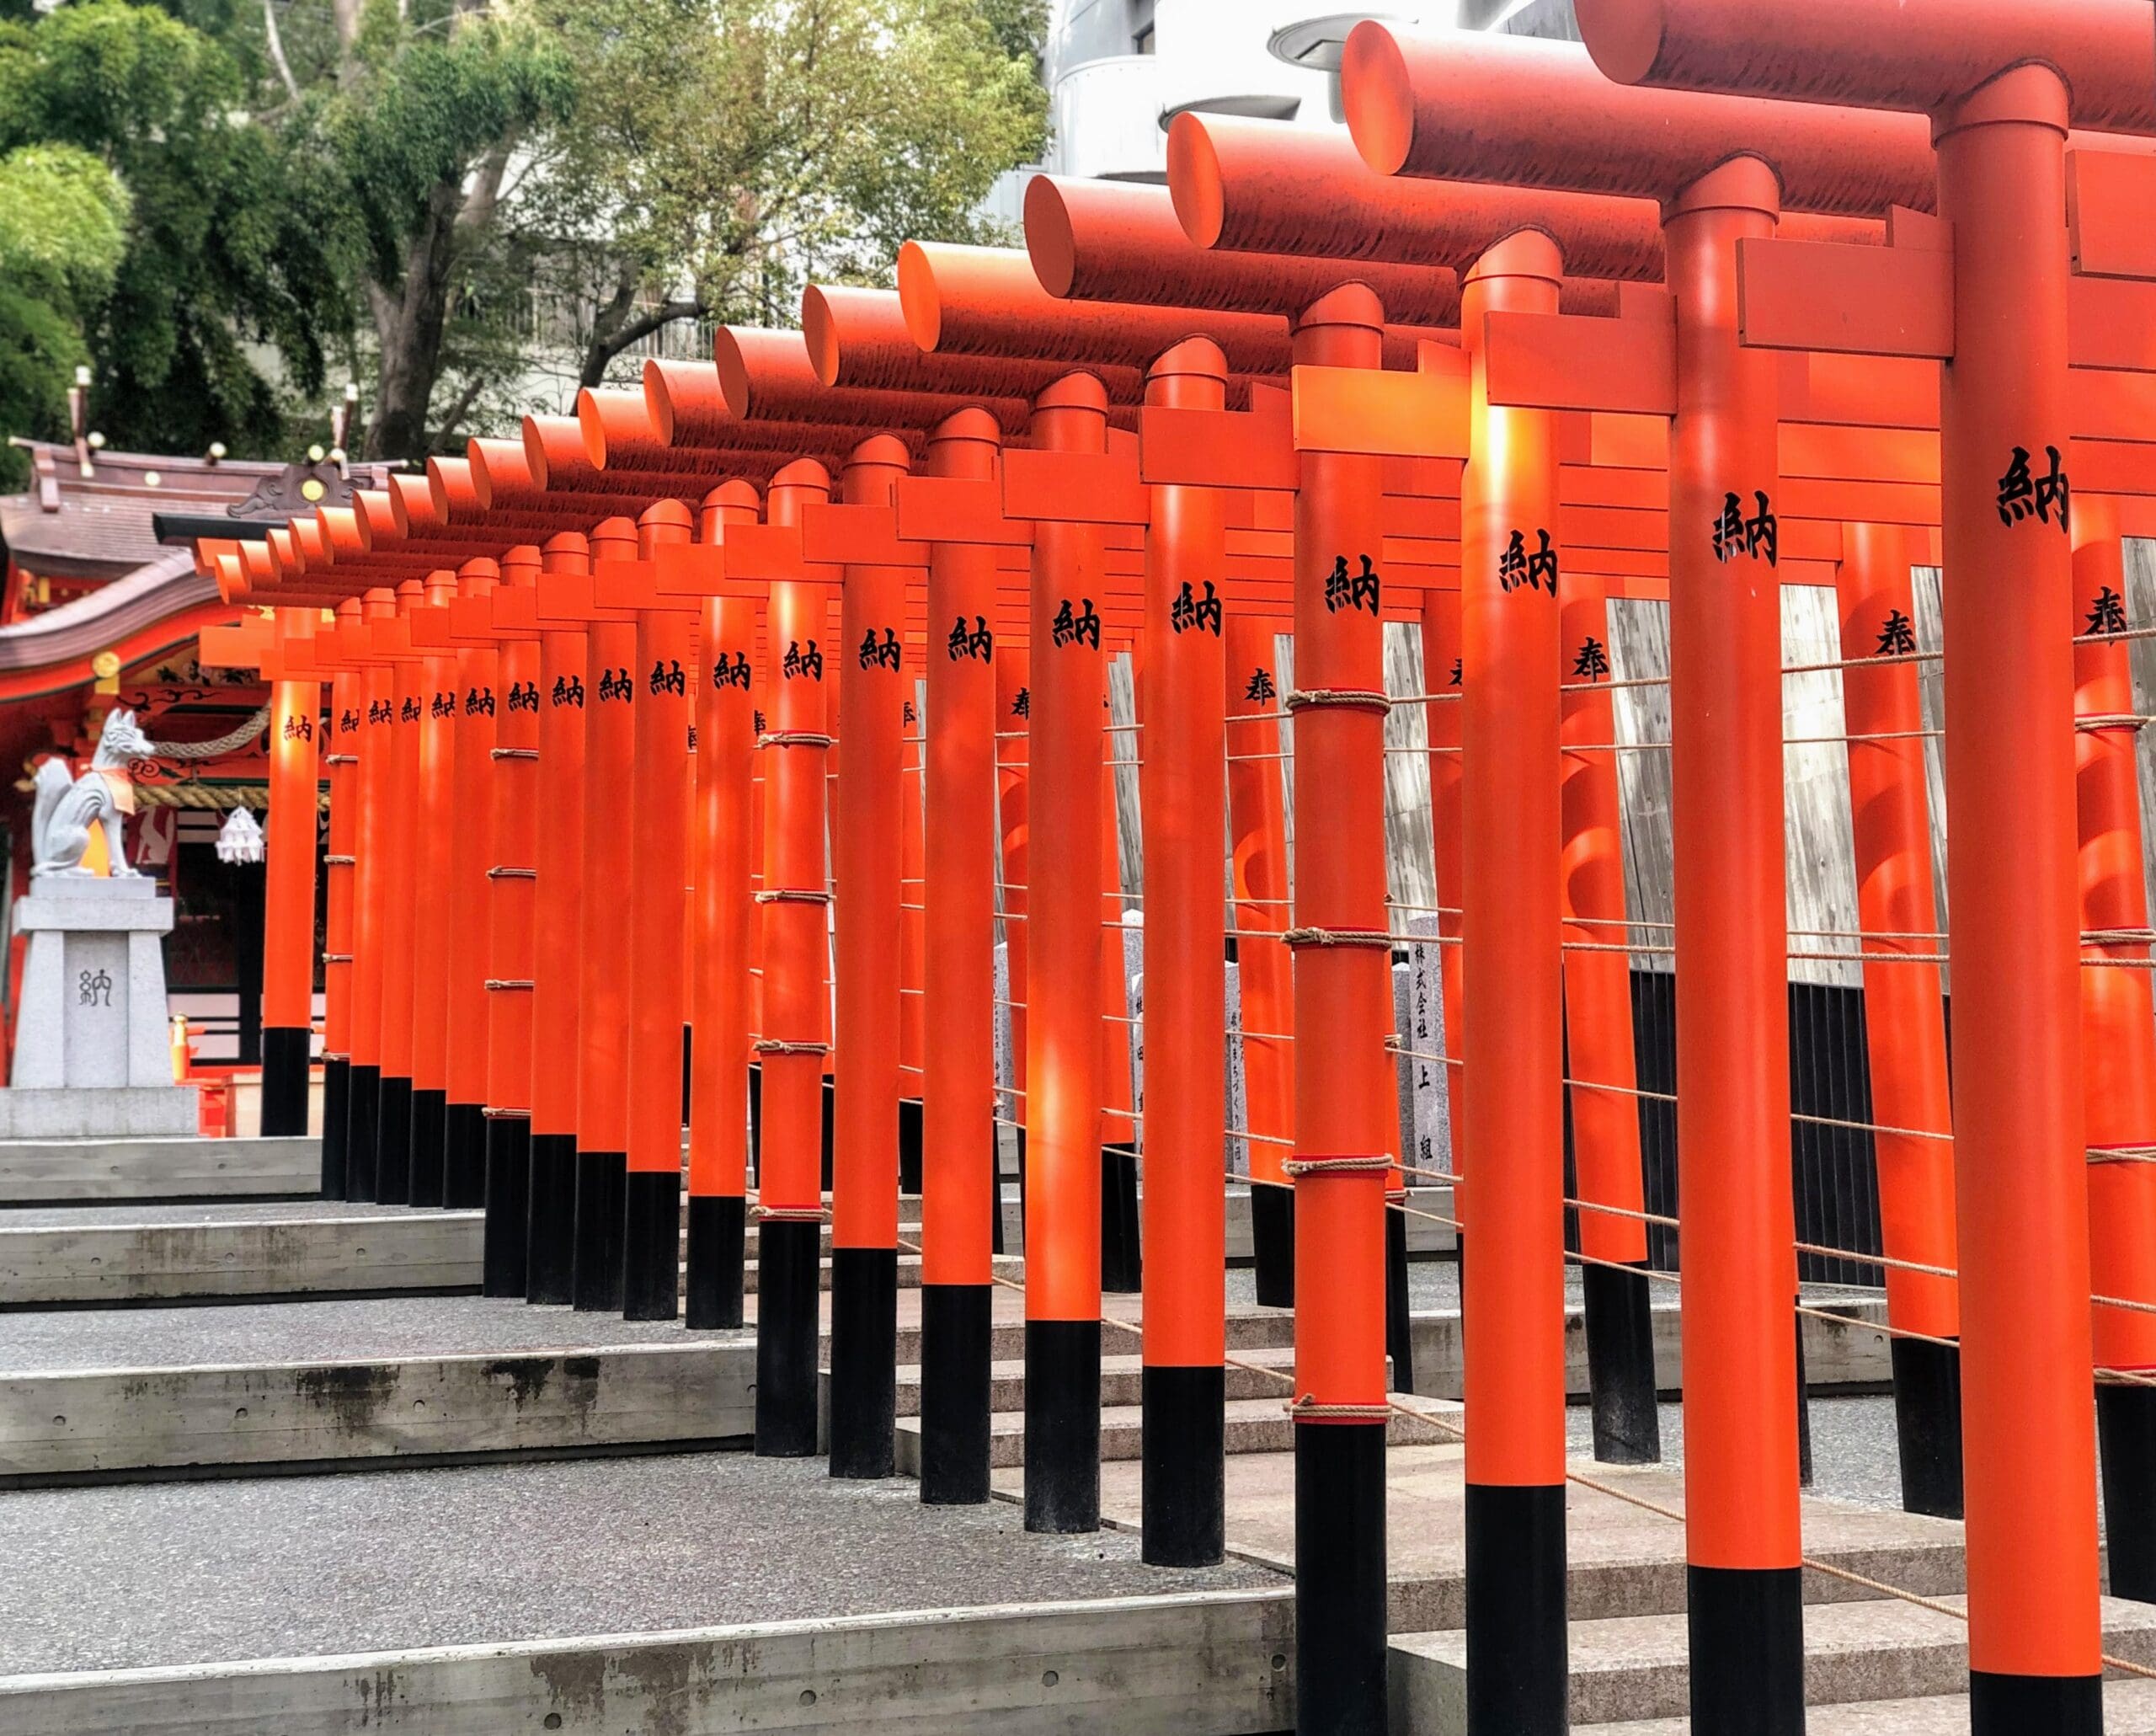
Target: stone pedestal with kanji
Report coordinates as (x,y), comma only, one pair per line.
(92,1055)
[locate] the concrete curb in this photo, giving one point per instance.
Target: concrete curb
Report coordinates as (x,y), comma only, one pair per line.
(1203,1664)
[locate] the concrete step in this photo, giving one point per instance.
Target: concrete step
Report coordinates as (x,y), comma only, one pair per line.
(1121,1381)
(2129,1710)
(81,1425)
(1851,1350)
(1011,1266)
(314,1250)
(1255,1425)
(1249,1328)
(51,1171)
(1637,1668)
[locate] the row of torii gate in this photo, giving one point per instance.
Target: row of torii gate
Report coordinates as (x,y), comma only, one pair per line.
(1737,296)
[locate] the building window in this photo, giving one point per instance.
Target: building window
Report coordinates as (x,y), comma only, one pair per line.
(1141,26)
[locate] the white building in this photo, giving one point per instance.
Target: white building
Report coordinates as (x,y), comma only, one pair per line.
(1119,71)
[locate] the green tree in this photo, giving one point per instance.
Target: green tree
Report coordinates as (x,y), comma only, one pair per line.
(63,218)
(226,244)
(720,153)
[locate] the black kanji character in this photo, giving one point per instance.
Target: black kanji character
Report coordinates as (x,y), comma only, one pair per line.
(1593,663)
(1261,687)
(1896,638)
(2108,615)
(568,690)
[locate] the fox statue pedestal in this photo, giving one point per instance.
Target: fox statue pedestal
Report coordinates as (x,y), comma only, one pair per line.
(93,1054)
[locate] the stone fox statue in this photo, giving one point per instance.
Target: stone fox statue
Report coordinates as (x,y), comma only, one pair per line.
(68,807)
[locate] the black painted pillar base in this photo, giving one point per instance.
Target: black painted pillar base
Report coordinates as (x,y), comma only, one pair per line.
(1399,1333)
(1746,1630)
(1621,1365)
(464,1160)
(829,1123)
(651,1244)
(596,1273)
(550,1245)
(362,1132)
(336,1131)
(718,1248)
(430,1145)
(910,1144)
(1340,1580)
(995,1190)
(1063,1425)
(956,1341)
(1516,1634)
(1273,1243)
(1183,1477)
(864,1361)
(789,1254)
(755,1121)
(1803,1406)
(506,1237)
(1928,1425)
(393,1174)
(2126,1432)
(285,1067)
(2036,1705)
(1122,1270)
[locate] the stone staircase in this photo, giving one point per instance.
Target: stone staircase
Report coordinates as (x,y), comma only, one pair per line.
(1873,1666)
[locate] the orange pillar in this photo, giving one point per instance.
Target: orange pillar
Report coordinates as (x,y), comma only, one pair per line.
(1014,722)
(1346,1093)
(958,1189)
(1599,1056)
(341,762)
(1513,1290)
(513,796)
(609,823)
(1905,1029)
(471,853)
(439,844)
(665,716)
(375,743)
(795,898)
(2020,1148)
(2118,1048)
(1182,789)
(402,891)
(1444,676)
(288,894)
(1062,1014)
(558,987)
(868,860)
(1258,823)
(722,920)
(1745,1602)
(1121,1266)
(913,946)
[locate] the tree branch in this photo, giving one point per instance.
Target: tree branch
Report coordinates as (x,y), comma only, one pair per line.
(276,43)
(457,413)
(609,341)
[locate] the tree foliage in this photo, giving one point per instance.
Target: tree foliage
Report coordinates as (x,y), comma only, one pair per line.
(224,202)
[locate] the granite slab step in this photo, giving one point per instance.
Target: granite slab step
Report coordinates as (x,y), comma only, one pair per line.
(2129,1710)
(1637,1668)
(1255,1425)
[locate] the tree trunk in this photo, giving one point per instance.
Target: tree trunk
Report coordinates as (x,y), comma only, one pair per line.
(409,323)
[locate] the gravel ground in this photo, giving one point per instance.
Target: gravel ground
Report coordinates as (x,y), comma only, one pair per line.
(124,1577)
(302,1332)
(1853,1452)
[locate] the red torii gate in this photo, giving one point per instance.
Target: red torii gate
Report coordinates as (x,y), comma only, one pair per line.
(1989,292)
(1500,109)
